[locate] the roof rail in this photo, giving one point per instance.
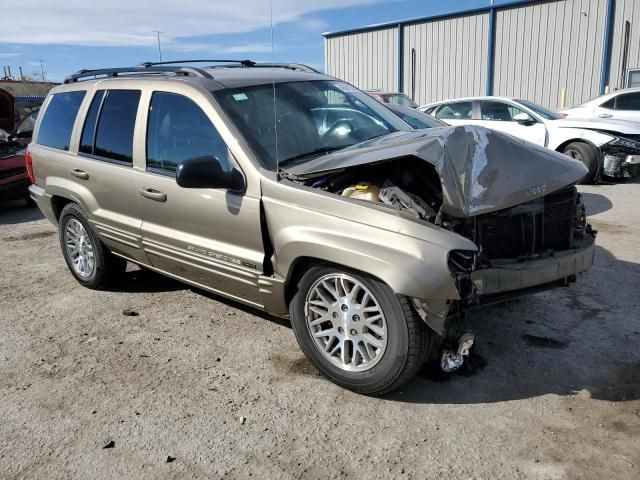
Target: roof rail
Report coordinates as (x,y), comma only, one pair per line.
(244,63)
(114,72)
(289,66)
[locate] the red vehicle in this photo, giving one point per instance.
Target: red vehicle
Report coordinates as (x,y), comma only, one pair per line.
(14,180)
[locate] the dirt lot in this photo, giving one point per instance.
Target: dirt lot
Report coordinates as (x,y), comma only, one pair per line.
(554,391)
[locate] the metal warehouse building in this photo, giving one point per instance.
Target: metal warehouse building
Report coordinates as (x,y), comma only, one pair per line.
(554,52)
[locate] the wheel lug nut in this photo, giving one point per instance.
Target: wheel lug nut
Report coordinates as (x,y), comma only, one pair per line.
(344,308)
(341,330)
(335,314)
(356,318)
(354,332)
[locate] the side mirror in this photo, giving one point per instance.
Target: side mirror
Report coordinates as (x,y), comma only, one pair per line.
(207,172)
(524,118)
(24,134)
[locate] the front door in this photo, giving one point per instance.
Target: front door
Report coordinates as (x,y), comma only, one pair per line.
(209,237)
(499,115)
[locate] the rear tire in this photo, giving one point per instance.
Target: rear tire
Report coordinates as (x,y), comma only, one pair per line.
(588,155)
(92,265)
(400,339)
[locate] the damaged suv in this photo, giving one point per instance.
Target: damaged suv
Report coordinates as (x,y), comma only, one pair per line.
(296,193)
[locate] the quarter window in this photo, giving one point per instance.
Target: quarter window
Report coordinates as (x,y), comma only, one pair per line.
(178,130)
(455,111)
(89,130)
(114,131)
(57,122)
(628,101)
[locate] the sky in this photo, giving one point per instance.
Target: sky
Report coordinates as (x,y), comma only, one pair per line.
(74,34)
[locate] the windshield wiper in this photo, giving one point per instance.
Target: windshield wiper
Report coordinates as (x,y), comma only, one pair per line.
(317,151)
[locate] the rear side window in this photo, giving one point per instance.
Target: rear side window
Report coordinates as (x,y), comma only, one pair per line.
(177,130)
(628,101)
(117,119)
(455,111)
(57,123)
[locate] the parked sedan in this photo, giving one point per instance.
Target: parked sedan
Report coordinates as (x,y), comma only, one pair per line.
(619,105)
(607,147)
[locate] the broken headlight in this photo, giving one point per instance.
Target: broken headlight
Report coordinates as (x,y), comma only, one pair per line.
(625,143)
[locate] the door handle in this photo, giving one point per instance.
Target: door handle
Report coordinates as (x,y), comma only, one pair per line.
(153,194)
(605,115)
(81,174)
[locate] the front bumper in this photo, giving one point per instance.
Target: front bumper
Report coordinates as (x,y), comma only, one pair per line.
(518,278)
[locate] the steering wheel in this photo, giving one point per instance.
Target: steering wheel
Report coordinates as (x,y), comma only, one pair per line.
(342,128)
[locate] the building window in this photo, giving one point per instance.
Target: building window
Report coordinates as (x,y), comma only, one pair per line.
(633,79)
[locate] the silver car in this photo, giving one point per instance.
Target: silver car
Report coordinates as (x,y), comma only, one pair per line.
(296,193)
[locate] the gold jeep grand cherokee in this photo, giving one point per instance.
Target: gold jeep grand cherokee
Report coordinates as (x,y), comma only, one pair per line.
(300,195)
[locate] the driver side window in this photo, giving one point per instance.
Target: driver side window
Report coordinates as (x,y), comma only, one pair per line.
(178,130)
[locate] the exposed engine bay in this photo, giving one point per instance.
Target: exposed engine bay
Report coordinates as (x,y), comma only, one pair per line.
(413,190)
(540,228)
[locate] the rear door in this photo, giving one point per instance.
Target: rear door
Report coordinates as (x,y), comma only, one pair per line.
(102,171)
(499,115)
(210,237)
(626,107)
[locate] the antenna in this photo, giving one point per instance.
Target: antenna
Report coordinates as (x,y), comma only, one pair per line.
(273,83)
(158,32)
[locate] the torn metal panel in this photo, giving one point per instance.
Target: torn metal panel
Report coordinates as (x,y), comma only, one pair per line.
(481,170)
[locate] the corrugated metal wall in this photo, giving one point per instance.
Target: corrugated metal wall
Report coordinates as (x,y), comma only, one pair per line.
(368,59)
(450,58)
(543,48)
(626,10)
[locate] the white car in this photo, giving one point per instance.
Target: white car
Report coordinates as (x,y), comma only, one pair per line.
(618,105)
(606,147)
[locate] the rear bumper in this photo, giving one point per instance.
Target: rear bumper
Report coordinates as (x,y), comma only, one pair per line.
(15,189)
(43,201)
(518,278)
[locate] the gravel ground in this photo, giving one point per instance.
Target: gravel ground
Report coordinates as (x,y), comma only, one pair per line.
(198,387)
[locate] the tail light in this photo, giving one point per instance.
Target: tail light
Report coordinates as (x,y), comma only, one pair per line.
(28,162)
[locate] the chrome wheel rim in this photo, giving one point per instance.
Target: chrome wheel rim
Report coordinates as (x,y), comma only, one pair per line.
(79,248)
(346,322)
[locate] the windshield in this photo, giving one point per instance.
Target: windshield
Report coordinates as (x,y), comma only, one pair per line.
(400,99)
(313,118)
(540,110)
(28,123)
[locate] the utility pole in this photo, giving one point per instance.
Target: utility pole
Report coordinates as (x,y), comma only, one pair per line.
(158,32)
(42,69)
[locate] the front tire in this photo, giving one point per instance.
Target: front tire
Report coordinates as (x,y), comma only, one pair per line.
(588,155)
(356,331)
(92,265)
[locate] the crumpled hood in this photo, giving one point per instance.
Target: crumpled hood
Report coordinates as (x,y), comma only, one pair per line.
(481,170)
(607,124)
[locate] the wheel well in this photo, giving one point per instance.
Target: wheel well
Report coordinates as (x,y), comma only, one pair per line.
(57,204)
(302,264)
(297,269)
(562,146)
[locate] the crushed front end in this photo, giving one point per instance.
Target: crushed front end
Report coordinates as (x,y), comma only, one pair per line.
(531,247)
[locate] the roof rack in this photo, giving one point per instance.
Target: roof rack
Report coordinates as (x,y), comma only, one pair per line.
(140,69)
(243,63)
(289,66)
